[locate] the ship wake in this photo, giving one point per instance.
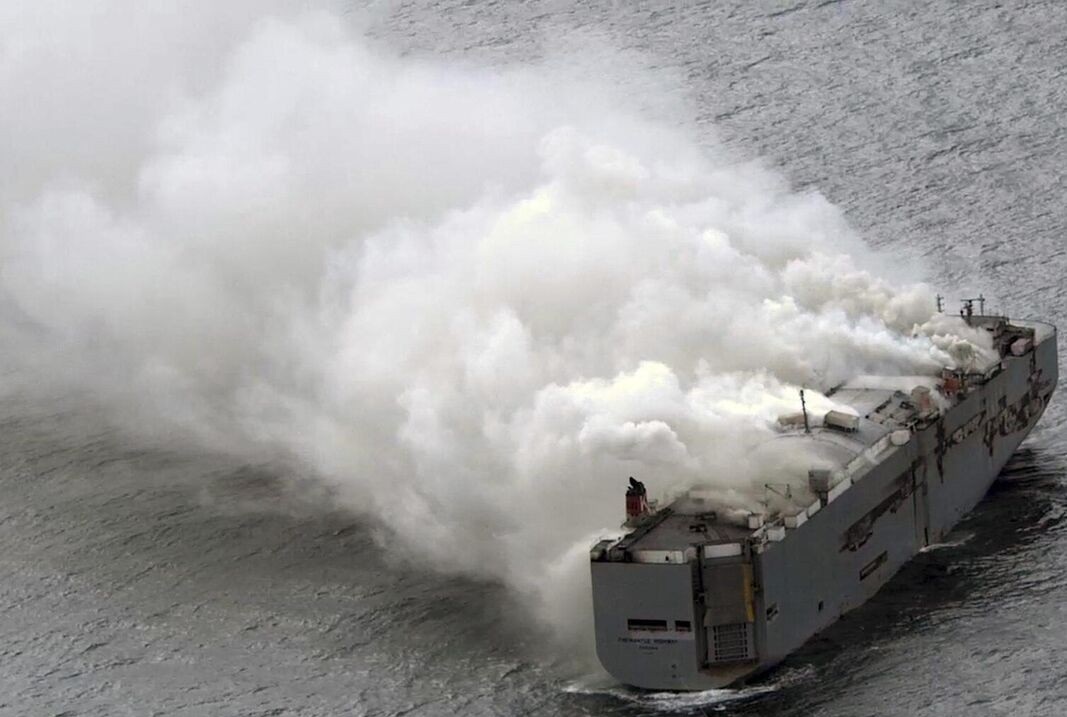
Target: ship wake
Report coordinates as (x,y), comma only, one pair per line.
(670,702)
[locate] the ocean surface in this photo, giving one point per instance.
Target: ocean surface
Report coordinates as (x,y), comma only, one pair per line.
(142,581)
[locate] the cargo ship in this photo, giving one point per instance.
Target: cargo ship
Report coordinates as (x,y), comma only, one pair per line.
(696,597)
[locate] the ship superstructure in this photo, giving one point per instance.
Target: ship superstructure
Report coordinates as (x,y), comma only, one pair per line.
(692,598)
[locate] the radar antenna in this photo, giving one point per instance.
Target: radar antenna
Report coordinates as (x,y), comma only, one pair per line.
(967,311)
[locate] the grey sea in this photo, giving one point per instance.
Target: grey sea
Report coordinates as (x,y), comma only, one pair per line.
(139,581)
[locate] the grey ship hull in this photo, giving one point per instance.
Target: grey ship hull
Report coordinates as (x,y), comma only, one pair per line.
(715,618)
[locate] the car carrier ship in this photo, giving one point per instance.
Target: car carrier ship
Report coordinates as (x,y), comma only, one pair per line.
(694,598)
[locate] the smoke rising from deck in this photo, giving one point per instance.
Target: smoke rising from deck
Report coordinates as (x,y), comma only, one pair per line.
(473,301)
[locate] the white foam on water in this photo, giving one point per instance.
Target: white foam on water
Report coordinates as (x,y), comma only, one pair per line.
(668,701)
(957,539)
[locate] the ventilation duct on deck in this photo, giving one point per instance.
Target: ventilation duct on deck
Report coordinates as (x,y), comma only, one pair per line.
(841,421)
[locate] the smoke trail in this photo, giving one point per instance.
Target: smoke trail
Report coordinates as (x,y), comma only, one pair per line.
(472,301)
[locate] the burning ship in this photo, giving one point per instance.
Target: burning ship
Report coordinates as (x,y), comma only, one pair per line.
(694,597)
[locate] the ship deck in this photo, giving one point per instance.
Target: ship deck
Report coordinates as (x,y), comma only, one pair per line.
(678,531)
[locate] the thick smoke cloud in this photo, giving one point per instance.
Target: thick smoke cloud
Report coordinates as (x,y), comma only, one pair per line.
(472,301)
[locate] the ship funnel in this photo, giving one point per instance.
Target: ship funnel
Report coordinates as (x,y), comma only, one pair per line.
(922,400)
(636,501)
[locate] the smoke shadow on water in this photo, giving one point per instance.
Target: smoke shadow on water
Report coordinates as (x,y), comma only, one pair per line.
(145,562)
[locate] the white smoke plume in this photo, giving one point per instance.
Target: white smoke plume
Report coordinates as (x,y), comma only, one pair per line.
(473,301)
